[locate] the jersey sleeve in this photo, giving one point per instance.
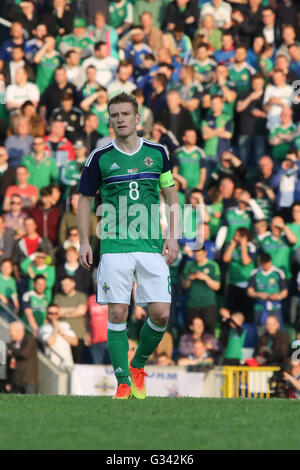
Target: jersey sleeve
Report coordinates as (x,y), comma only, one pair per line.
(91,176)
(282,280)
(166,178)
(252,281)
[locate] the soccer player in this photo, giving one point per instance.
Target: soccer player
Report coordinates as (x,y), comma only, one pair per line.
(130,169)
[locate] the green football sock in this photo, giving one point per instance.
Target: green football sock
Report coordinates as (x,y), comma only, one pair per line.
(151,335)
(117,342)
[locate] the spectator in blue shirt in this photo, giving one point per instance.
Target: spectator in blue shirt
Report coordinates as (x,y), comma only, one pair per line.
(294,52)
(226,54)
(17,39)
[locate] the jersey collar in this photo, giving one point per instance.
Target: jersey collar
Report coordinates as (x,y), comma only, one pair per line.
(122,151)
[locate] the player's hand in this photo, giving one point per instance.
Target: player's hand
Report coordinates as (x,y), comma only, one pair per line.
(170,248)
(86,256)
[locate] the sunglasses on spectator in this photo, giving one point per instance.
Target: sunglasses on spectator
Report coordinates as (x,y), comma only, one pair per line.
(53,312)
(16,202)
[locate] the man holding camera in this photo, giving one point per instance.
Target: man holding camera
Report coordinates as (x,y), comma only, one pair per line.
(293,380)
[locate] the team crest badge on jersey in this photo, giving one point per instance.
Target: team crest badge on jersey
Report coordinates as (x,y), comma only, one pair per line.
(105,288)
(272,281)
(148,161)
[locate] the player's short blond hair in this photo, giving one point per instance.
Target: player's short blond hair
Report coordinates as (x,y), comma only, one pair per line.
(124,98)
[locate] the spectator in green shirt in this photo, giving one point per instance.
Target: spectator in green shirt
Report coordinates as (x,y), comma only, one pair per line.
(268,286)
(283,135)
(35,305)
(232,337)
(47,60)
(71,172)
(201,278)
(278,244)
(239,255)
(97,104)
(41,165)
(216,132)
(8,286)
(38,263)
(78,40)
(190,161)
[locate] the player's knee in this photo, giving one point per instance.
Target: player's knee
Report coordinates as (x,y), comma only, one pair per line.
(161,315)
(117,313)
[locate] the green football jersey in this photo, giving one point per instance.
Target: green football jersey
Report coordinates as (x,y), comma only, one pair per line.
(199,294)
(38,304)
(189,164)
(119,12)
(8,286)
(214,222)
(215,146)
(271,282)
(71,173)
(81,42)
(46,70)
(266,206)
(280,252)
(235,219)
(47,271)
(89,89)
(129,186)
(241,76)
(235,343)
(187,93)
(41,173)
(103,116)
(279,151)
(215,89)
(295,228)
(203,67)
(239,274)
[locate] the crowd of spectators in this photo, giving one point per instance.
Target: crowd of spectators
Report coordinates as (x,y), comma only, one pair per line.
(216,83)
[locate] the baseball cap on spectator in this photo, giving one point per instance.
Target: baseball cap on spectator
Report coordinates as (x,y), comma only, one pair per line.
(79,144)
(79,23)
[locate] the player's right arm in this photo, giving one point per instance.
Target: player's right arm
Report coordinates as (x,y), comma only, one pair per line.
(89,184)
(83,218)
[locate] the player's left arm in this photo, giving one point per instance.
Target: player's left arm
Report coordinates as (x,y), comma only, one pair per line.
(166,183)
(170,245)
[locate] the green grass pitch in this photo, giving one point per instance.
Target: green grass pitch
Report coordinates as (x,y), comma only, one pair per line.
(59,422)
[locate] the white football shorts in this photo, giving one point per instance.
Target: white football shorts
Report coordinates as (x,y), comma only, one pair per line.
(117,271)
